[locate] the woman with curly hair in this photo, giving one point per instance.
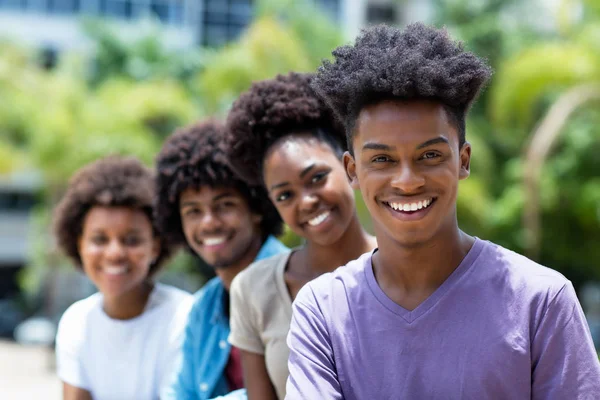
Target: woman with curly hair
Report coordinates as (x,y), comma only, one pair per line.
(284,137)
(122,342)
(434,312)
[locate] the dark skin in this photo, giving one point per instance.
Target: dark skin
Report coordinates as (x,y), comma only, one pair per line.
(220,227)
(307,183)
(408,153)
(117,246)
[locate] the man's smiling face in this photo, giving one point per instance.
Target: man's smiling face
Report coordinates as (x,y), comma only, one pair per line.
(219,225)
(407,164)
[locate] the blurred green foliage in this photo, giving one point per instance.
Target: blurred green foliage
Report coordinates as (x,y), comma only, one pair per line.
(534,63)
(134,93)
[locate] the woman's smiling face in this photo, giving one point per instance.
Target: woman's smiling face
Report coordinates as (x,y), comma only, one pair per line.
(308,185)
(117,247)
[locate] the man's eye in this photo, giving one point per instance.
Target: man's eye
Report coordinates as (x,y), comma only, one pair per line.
(318,177)
(282,196)
(191,212)
(380,159)
(430,155)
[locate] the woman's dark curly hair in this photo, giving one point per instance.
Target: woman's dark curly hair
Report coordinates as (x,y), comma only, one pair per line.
(272,109)
(419,62)
(112,181)
(192,157)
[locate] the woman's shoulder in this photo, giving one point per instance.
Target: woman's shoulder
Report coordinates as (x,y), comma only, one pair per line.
(77,317)
(171,294)
(170,300)
(82,308)
(262,272)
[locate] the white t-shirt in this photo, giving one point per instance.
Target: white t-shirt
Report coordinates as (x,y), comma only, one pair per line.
(122,359)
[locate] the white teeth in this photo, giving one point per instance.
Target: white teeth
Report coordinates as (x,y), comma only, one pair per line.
(115,270)
(214,241)
(411,206)
(318,219)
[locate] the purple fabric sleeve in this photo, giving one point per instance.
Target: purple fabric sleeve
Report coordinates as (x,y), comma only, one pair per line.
(564,362)
(312,367)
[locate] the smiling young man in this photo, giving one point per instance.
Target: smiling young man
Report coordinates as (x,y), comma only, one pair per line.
(204,206)
(433,312)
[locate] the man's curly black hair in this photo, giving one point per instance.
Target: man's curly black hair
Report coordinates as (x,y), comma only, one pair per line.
(272,109)
(195,156)
(112,181)
(419,62)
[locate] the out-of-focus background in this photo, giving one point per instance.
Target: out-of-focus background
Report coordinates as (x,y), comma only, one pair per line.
(83,78)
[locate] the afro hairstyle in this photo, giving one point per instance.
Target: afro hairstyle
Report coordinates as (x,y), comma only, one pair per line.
(112,181)
(272,109)
(192,157)
(419,62)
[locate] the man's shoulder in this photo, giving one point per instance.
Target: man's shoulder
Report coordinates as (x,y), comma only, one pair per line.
(272,246)
(520,271)
(207,295)
(340,282)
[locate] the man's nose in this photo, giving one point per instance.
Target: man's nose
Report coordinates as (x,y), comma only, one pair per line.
(408,179)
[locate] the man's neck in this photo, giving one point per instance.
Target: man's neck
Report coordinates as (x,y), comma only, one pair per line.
(229,272)
(408,275)
(353,243)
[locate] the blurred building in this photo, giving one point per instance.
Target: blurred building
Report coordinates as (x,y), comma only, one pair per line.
(17,198)
(56,24)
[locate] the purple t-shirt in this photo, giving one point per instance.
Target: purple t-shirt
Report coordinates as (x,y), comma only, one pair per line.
(500,327)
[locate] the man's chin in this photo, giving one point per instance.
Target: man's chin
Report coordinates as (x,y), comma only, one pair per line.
(223,263)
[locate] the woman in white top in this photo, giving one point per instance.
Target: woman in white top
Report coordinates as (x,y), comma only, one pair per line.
(282,135)
(122,342)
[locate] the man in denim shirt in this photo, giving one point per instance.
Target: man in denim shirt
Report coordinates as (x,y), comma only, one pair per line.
(203,205)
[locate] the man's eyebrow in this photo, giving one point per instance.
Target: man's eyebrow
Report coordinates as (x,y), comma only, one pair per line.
(306,170)
(223,196)
(377,146)
(433,141)
(189,203)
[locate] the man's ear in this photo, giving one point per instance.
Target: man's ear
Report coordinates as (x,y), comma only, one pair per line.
(350,166)
(465,161)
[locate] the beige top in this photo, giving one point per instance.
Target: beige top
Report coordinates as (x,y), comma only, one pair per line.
(261,313)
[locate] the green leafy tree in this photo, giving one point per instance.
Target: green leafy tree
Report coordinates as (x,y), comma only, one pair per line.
(535,67)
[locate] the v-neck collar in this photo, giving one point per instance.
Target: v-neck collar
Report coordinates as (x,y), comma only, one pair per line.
(434,298)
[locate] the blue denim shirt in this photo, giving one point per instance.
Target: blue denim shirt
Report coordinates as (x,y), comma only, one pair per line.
(201,374)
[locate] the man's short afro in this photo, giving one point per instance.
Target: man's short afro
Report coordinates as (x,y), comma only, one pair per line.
(272,109)
(195,156)
(419,62)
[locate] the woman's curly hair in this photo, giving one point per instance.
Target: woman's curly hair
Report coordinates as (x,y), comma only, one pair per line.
(192,157)
(272,109)
(113,181)
(419,62)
